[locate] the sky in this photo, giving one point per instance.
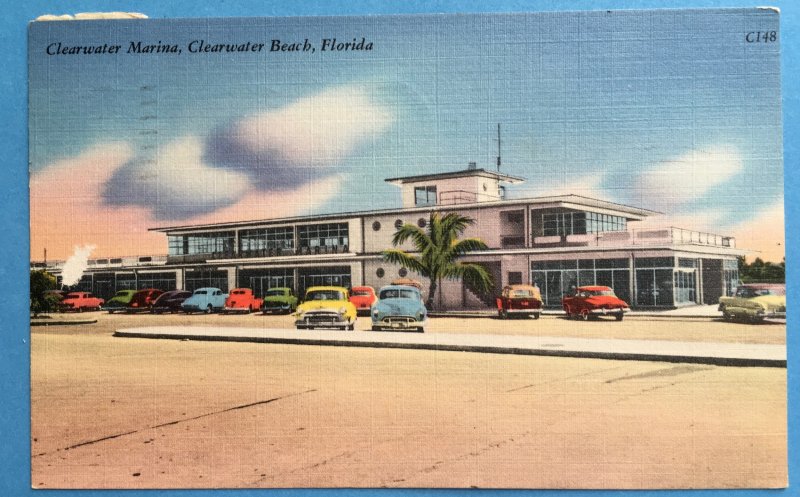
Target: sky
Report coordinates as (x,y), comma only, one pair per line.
(673,111)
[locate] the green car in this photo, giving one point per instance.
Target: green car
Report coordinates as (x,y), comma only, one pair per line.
(120,301)
(279,300)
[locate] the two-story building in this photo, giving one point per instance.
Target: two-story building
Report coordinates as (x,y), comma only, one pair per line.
(557,242)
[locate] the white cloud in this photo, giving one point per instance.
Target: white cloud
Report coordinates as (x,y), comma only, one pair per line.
(684,179)
(323,127)
(181,178)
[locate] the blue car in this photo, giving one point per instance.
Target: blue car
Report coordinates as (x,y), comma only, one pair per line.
(206,300)
(399,307)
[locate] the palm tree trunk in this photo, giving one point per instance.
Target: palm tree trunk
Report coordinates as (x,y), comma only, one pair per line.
(431,293)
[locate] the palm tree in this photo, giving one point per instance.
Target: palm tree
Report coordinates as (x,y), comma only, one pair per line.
(436,251)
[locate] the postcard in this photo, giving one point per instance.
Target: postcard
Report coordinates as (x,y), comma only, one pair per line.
(534,250)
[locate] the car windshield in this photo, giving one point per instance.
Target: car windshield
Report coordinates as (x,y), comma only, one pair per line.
(395,293)
(521,293)
(125,293)
(275,293)
(325,295)
(72,296)
(361,293)
(606,293)
(201,292)
(238,292)
(750,292)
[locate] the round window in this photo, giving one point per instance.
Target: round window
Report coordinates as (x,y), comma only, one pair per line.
(380,272)
(421,222)
(403,272)
(398,224)
(376,226)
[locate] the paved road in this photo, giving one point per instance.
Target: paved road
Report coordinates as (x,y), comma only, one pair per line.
(110,412)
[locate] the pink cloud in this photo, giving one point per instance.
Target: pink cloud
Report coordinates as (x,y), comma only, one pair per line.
(67,208)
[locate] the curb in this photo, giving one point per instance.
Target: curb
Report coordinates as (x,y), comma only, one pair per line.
(471,315)
(63,323)
(716,361)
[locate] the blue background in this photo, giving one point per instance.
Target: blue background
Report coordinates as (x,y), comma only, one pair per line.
(14,337)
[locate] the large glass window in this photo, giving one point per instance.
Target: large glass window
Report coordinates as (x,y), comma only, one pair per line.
(425,195)
(685,287)
(323,276)
(329,237)
(261,280)
(557,278)
(580,223)
(206,278)
(201,243)
(267,241)
(730,275)
(162,281)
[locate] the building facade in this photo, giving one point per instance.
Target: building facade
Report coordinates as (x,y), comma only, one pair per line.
(556,242)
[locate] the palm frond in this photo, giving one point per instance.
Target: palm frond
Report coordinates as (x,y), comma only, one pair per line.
(474,276)
(406,260)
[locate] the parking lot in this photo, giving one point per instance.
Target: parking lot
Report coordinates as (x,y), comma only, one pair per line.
(134,413)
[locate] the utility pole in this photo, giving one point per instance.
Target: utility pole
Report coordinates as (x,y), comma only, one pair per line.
(498,147)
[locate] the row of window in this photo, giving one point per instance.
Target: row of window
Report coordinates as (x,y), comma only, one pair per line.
(308,237)
(581,223)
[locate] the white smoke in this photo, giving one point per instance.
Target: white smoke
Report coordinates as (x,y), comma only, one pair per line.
(76,265)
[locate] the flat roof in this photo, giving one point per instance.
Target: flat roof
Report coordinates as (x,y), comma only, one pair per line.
(569,201)
(507,178)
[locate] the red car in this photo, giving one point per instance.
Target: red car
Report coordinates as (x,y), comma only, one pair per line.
(242,300)
(363,297)
(593,301)
(80,301)
(519,300)
(144,299)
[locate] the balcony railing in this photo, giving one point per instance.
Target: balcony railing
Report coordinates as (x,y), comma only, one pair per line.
(259,253)
(110,263)
(658,236)
(464,197)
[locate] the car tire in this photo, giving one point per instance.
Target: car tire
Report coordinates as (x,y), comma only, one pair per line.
(420,329)
(584,315)
(209,309)
(536,315)
(502,314)
(376,328)
(619,316)
(351,327)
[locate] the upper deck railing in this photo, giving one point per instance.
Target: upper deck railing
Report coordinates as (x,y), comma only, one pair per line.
(654,236)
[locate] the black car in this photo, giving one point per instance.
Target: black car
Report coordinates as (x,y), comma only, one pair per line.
(170,301)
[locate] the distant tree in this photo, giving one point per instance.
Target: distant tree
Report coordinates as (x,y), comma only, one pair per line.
(760,271)
(437,249)
(41,282)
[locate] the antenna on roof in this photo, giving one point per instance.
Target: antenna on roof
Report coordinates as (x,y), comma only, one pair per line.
(498,147)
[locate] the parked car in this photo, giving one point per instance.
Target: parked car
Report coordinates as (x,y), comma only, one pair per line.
(755,302)
(170,301)
(326,306)
(363,297)
(143,300)
(279,300)
(399,307)
(120,301)
(593,301)
(206,299)
(242,300)
(519,300)
(79,302)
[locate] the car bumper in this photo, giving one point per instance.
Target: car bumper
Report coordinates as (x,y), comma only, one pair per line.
(605,312)
(235,309)
(774,316)
(322,320)
(190,307)
(276,308)
(522,311)
(398,322)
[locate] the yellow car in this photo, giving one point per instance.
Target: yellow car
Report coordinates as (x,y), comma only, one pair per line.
(755,302)
(326,307)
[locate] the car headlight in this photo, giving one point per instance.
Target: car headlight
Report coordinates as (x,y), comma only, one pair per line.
(375,311)
(342,310)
